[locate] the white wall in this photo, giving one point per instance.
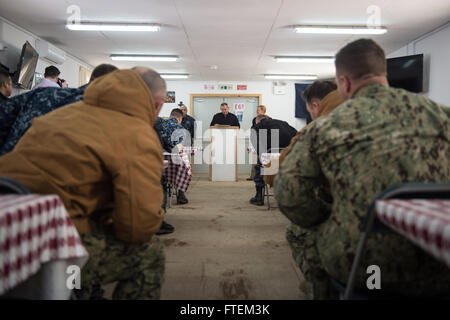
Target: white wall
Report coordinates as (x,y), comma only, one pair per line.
(278,106)
(436,49)
(14,37)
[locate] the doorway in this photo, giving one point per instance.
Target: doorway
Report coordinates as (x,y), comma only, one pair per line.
(204,106)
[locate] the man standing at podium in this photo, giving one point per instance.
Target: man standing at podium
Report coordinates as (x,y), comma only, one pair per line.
(224,117)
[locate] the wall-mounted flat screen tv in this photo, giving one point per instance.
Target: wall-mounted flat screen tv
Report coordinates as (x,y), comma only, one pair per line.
(26,67)
(406,72)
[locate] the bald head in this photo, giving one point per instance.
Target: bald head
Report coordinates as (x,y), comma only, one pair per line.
(155,84)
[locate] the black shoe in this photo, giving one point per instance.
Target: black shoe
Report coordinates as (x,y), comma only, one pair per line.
(249,179)
(258,199)
(181,198)
(165,228)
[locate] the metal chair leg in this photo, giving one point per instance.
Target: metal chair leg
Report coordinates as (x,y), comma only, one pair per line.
(169,195)
(267,195)
(358,255)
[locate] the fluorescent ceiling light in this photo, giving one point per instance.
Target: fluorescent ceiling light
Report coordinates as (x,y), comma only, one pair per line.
(174,76)
(291,76)
(113,27)
(142,57)
(340,30)
(310,59)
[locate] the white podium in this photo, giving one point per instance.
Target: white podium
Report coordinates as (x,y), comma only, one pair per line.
(223,153)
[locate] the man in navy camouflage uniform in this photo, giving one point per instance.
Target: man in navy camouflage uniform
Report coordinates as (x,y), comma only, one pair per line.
(172,136)
(188,122)
(377,138)
(17,113)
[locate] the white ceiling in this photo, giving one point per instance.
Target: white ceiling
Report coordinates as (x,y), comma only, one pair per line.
(239,36)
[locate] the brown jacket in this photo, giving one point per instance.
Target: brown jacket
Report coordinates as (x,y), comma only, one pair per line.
(326,105)
(95,152)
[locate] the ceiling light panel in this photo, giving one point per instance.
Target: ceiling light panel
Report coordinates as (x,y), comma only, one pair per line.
(174,76)
(305,59)
(340,30)
(113,27)
(290,76)
(142,57)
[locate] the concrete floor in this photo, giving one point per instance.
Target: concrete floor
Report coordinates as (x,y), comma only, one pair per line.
(225,248)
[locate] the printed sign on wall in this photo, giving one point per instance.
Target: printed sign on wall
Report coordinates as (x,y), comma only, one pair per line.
(208,87)
(239,110)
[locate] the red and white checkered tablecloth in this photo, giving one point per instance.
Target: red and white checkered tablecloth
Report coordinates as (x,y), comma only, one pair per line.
(34,230)
(425,222)
(192,150)
(178,173)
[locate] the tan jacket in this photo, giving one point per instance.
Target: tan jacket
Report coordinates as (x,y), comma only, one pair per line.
(95,152)
(326,106)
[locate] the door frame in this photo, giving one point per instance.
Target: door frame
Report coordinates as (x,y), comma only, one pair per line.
(224,95)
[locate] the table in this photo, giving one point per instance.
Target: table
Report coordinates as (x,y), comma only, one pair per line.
(178,172)
(37,243)
(424,222)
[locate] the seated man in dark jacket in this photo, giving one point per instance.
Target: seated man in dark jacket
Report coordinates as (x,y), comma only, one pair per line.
(17,113)
(262,134)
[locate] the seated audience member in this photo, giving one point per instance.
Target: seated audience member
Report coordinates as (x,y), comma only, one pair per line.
(51,78)
(224,117)
(5,85)
(97,152)
(17,113)
(188,122)
(172,136)
(171,133)
(377,138)
(259,110)
(321,98)
(262,134)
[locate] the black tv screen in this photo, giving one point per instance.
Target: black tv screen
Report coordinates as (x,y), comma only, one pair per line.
(406,72)
(26,66)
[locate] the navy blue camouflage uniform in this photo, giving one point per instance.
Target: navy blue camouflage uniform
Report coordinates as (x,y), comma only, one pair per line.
(17,113)
(189,124)
(170,133)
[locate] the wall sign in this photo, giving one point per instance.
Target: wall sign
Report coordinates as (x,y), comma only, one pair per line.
(225,87)
(242,87)
(239,110)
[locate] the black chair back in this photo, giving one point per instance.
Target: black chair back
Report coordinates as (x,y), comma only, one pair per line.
(10,186)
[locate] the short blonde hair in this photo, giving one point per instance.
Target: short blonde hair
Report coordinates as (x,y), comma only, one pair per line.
(262,107)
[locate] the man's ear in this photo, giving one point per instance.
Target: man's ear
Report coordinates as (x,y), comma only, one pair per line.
(315,105)
(347,85)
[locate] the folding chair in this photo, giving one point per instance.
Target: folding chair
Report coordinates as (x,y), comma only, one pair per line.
(171,191)
(267,193)
(370,223)
(10,186)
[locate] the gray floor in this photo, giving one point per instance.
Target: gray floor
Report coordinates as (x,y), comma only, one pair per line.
(225,248)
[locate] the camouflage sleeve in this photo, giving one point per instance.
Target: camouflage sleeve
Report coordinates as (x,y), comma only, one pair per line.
(177,134)
(446,110)
(9,109)
(300,187)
